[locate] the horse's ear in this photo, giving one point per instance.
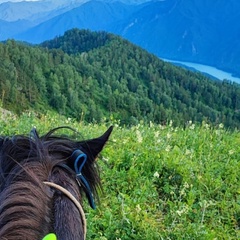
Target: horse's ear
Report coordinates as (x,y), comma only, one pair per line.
(1,142)
(94,146)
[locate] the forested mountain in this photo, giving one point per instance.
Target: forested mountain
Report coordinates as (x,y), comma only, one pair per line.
(94,75)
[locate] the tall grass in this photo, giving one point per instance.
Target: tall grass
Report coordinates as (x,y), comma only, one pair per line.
(159,182)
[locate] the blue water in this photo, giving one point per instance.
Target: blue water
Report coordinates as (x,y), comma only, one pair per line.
(219,74)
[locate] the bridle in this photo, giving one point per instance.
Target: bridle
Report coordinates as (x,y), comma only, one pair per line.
(74,200)
(79,159)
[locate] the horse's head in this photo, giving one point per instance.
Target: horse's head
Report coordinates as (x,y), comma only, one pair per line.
(41,183)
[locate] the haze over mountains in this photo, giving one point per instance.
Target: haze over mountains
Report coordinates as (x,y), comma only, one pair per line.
(200,31)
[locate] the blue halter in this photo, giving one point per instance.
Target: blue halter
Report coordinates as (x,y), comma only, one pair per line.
(80,159)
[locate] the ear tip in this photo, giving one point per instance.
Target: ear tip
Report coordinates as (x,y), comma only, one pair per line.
(108,132)
(110,128)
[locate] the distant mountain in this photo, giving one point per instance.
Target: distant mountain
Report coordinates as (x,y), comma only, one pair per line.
(197,31)
(203,31)
(13,11)
(8,29)
(32,10)
(18,17)
(94,15)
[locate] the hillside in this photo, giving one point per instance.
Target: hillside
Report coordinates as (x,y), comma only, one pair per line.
(95,75)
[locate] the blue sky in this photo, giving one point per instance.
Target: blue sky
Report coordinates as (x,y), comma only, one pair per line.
(2,1)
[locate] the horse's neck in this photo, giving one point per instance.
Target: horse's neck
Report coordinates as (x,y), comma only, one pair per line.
(68,223)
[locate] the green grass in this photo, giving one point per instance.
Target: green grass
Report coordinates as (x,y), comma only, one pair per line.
(159,182)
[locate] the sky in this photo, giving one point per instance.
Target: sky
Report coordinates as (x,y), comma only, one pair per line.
(2,1)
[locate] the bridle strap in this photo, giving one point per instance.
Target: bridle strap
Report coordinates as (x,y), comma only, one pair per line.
(74,200)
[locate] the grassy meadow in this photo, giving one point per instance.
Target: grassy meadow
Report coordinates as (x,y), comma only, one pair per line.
(159,182)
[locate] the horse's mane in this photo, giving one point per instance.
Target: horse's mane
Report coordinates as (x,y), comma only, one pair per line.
(28,208)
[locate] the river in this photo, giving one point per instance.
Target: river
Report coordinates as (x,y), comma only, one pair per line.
(219,74)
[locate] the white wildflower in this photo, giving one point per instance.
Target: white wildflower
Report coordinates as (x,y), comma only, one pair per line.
(207,126)
(221,126)
(168,148)
(231,152)
(169,135)
(185,209)
(138,208)
(182,192)
(186,185)
(156,134)
(105,159)
(156,175)
(192,127)
(139,136)
(179,212)
(162,127)
(188,152)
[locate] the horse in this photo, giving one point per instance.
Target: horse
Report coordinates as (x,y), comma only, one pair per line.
(42,183)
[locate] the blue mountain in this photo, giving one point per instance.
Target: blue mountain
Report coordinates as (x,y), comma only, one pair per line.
(94,15)
(189,30)
(9,29)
